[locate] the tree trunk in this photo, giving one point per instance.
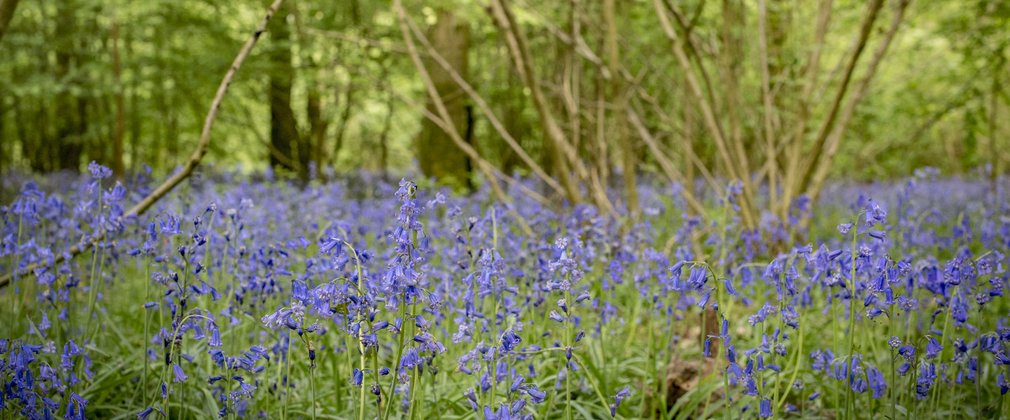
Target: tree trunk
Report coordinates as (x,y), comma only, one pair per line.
(65,149)
(438,155)
(7,8)
(628,153)
(344,121)
(118,167)
(284,136)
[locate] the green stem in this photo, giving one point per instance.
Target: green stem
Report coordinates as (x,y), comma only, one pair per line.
(286,380)
(93,292)
(852,311)
(568,340)
(943,340)
(399,354)
(147,323)
(312,389)
(796,369)
(14,278)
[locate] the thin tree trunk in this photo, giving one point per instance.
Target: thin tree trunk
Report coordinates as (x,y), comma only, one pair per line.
(387,125)
(437,155)
(446,119)
(991,128)
(478,100)
(768,108)
(729,59)
(344,121)
(283,126)
(731,166)
(794,156)
(314,145)
(118,167)
(628,153)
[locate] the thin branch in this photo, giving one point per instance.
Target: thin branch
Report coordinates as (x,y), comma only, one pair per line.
(706,110)
(795,141)
(821,172)
(768,107)
(664,162)
(562,152)
(829,122)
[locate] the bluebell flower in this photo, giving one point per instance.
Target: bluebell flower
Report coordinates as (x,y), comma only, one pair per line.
(98,171)
(765,408)
(410,359)
(877,383)
(537,396)
(517,383)
(844,228)
(620,396)
(933,348)
(180,376)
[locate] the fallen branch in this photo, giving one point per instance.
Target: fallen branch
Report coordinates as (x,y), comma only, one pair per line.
(178,177)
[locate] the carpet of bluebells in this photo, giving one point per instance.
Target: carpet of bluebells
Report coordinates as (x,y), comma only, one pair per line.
(248,297)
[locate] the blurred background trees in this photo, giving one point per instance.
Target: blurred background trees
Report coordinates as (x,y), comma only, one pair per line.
(579,94)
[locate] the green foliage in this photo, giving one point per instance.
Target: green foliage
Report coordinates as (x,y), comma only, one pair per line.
(940,97)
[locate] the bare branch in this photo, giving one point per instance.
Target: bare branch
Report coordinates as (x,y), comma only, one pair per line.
(664,162)
(561,151)
(795,142)
(829,122)
(706,110)
(821,172)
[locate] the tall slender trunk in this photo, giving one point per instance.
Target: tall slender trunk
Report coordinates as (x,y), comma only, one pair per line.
(284,135)
(118,167)
(437,154)
(629,154)
(65,149)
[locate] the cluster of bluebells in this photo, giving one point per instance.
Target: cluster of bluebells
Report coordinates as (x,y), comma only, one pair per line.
(260,297)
